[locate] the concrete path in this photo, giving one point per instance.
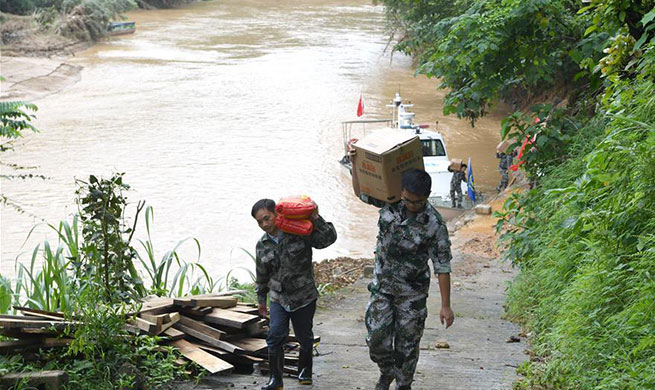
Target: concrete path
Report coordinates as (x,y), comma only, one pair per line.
(479,357)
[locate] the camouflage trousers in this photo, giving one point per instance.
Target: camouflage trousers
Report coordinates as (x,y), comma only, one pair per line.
(503,180)
(395,326)
(456,189)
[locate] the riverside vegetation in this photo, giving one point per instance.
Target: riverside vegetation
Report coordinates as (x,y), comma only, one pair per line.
(96,273)
(82,20)
(90,276)
(583,238)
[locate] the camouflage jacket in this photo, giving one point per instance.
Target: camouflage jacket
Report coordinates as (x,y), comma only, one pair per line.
(457,178)
(506,160)
(404,247)
(285,269)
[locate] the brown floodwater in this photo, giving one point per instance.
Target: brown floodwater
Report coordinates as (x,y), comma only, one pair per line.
(212,106)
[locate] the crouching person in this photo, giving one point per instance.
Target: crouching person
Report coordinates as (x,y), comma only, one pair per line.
(285,271)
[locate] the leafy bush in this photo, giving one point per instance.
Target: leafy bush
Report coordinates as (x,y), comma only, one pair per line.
(490,49)
(88,19)
(584,241)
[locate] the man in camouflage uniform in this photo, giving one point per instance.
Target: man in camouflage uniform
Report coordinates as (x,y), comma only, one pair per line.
(410,233)
(456,185)
(284,269)
(506,161)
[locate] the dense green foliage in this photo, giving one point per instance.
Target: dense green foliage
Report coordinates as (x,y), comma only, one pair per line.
(584,240)
(499,49)
(90,276)
(106,251)
(584,237)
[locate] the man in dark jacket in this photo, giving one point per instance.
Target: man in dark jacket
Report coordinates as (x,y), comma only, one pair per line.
(285,271)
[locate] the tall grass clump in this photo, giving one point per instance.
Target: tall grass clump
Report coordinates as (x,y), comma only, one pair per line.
(90,274)
(585,243)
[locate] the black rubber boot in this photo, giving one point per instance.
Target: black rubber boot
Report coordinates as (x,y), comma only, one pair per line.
(384,382)
(276,366)
(305,367)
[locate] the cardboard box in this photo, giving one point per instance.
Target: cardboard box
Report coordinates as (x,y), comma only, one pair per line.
(456,164)
(381,159)
(502,147)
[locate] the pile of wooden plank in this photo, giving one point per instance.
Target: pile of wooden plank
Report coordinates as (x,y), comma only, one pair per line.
(213,330)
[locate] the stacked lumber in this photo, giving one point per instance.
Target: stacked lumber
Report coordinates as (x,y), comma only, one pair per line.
(214,331)
(34,330)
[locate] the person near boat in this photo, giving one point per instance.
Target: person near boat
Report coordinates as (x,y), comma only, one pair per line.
(284,270)
(410,232)
(459,177)
(506,160)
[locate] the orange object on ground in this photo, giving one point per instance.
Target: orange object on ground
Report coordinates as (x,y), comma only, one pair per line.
(296,207)
(301,227)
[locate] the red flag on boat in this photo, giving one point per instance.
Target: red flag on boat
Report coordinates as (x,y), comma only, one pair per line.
(360,106)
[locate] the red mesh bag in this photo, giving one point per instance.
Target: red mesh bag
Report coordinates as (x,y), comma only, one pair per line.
(296,207)
(301,227)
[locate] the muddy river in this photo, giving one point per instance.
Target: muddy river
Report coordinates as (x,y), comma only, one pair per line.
(212,106)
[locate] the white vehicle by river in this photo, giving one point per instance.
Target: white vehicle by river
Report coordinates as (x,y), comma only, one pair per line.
(435,154)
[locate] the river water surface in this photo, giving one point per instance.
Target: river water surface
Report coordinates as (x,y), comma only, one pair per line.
(213,106)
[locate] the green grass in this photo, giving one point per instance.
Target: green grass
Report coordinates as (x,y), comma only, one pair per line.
(585,243)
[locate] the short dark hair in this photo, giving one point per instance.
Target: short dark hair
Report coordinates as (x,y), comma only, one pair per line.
(417,182)
(268,204)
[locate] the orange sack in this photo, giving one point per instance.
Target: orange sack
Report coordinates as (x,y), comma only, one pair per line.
(296,207)
(301,227)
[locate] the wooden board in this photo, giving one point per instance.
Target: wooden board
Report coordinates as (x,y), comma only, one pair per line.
(258,329)
(204,359)
(230,358)
(251,344)
(192,301)
(229,318)
(245,309)
(201,327)
(28,333)
(173,317)
(52,379)
(50,315)
(23,322)
(156,305)
(196,312)
(12,346)
(173,334)
(158,319)
(207,339)
(147,326)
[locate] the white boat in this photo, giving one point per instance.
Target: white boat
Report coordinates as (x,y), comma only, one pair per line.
(435,153)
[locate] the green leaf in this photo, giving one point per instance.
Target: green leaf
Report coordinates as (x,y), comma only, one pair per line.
(590,29)
(648,18)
